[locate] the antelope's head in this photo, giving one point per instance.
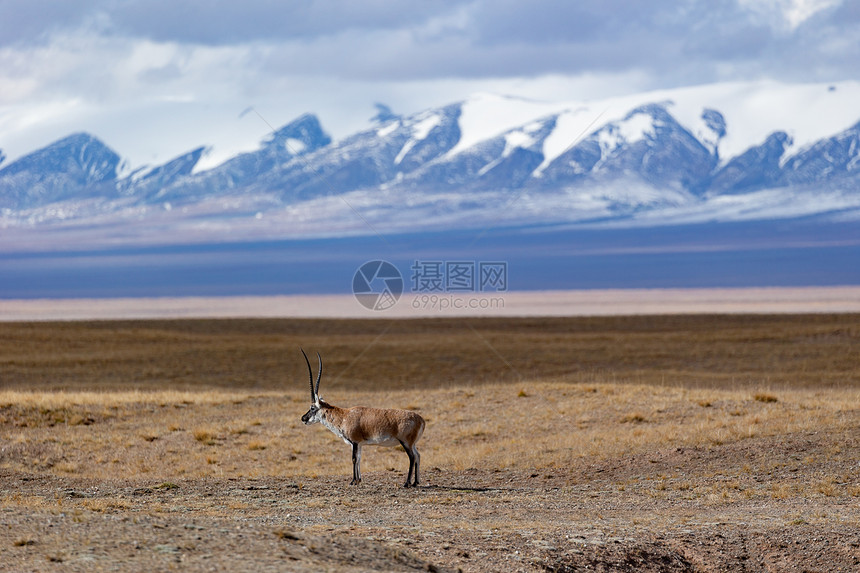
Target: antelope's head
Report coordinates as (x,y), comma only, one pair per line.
(313,416)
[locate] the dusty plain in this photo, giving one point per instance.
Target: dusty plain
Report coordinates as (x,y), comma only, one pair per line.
(596,302)
(699,442)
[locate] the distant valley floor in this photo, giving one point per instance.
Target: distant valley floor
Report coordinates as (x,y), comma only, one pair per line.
(604,302)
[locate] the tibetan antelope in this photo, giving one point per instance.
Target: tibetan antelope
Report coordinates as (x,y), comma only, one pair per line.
(362,426)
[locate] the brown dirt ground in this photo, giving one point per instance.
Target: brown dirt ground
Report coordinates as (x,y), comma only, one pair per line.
(575,519)
(644,512)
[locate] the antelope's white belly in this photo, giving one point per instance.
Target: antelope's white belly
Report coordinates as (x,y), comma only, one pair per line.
(382,441)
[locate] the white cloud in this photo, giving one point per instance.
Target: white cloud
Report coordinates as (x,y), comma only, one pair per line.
(787,13)
(154,79)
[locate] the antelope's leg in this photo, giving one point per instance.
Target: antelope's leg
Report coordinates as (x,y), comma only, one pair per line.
(356,464)
(409,452)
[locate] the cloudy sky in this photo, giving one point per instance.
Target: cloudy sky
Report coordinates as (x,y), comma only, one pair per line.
(154,78)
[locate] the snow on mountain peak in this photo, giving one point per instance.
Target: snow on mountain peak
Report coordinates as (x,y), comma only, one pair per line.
(388,128)
(631,129)
(485,116)
(420,130)
(515,139)
(754,110)
(727,118)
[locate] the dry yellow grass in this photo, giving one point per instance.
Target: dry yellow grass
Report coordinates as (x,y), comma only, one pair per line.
(170,435)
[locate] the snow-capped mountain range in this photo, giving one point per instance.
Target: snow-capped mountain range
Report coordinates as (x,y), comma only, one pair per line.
(724,152)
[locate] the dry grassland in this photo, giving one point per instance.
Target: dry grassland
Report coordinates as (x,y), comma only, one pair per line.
(629,443)
(176,435)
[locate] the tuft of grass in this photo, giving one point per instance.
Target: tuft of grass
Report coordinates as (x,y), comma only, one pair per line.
(205,437)
(633,418)
(67,467)
(166,486)
(826,487)
(780,491)
(105,505)
(239,430)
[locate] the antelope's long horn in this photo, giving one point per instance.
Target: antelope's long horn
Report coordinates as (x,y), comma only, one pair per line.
(319,374)
(310,375)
